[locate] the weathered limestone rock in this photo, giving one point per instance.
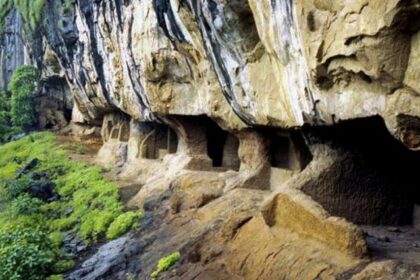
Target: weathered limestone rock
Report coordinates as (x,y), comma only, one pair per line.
(54,100)
(322,63)
(300,214)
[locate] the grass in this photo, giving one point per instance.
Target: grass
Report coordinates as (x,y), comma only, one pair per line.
(89,205)
(77,148)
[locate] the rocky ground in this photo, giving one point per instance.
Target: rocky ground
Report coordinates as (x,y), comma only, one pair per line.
(226,237)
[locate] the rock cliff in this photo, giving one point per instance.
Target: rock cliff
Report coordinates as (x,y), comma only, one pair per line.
(284,126)
(322,62)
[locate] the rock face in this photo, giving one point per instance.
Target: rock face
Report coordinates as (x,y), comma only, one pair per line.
(13,51)
(323,62)
(272,129)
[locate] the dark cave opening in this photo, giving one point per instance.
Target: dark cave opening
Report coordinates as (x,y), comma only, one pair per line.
(374,181)
(288,150)
(216,139)
(222,147)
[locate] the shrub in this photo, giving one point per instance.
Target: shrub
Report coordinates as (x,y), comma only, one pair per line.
(122,224)
(56,238)
(95,224)
(25,254)
(64,266)
(165,263)
(5,122)
(22,86)
(25,205)
(17,187)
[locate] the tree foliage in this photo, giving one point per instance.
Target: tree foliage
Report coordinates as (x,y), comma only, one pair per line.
(22,86)
(5,121)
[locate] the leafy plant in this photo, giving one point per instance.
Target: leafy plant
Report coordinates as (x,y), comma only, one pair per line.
(165,263)
(25,254)
(25,205)
(17,187)
(122,224)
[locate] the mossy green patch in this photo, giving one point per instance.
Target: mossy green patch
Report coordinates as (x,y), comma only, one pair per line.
(165,263)
(31,11)
(122,224)
(63,266)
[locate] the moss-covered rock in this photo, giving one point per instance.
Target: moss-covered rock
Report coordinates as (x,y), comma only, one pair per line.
(165,263)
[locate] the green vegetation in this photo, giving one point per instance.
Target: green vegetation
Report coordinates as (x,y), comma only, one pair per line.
(64,265)
(56,277)
(122,224)
(25,205)
(5,7)
(17,112)
(77,148)
(5,119)
(32,230)
(25,253)
(165,263)
(31,11)
(22,86)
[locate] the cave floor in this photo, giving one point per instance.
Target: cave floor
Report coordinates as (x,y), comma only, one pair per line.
(398,243)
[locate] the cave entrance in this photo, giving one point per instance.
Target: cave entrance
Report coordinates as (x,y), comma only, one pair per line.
(289,151)
(109,130)
(159,142)
(222,147)
(288,155)
(374,178)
